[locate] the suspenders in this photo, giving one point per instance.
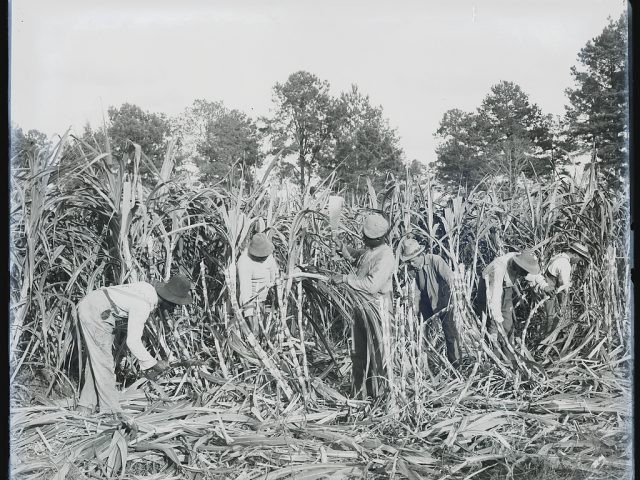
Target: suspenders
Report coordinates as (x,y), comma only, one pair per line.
(114,308)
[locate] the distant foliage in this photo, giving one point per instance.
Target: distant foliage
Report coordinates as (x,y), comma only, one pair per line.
(346,133)
(365,145)
(151,131)
(506,136)
(23,144)
(304,122)
(231,143)
(598,112)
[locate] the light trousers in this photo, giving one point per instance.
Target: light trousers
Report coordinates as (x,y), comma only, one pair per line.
(99,387)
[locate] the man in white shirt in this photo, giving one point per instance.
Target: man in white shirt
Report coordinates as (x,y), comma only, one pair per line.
(375,265)
(556,280)
(498,289)
(97,314)
(258,270)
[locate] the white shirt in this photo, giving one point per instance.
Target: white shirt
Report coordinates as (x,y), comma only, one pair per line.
(254,280)
(559,267)
(135,301)
(374,270)
(497,276)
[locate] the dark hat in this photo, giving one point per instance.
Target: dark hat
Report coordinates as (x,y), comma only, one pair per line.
(375,226)
(528,261)
(176,290)
(580,249)
(260,245)
(410,249)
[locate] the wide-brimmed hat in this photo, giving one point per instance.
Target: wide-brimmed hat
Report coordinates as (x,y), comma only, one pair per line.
(176,290)
(528,261)
(260,245)
(580,249)
(410,249)
(375,226)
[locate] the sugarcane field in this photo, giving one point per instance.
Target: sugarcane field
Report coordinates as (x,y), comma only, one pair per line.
(214,295)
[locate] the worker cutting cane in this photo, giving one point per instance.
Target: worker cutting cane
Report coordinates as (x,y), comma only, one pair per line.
(434,279)
(258,270)
(98,312)
(556,280)
(375,265)
(497,291)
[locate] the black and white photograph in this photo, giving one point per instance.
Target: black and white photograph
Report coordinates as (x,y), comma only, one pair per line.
(286,239)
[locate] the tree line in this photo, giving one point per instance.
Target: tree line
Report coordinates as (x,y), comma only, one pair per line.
(506,136)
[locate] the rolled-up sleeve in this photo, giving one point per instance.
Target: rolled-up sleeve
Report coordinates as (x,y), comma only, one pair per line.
(138,315)
(374,280)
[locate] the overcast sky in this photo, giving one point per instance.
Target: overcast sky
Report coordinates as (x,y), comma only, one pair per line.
(71,60)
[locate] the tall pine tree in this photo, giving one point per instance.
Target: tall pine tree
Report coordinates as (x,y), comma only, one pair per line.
(506,136)
(597,115)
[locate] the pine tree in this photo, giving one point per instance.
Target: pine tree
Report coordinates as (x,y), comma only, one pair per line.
(597,114)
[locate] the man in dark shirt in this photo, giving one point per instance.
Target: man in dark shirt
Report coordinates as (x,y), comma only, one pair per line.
(434,279)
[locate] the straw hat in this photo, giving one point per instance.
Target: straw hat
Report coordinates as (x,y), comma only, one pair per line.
(176,290)
(580,249)
(410,249)
(260,245)
(528,261)
(375,226)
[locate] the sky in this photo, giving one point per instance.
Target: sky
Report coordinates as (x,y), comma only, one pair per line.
(70,60)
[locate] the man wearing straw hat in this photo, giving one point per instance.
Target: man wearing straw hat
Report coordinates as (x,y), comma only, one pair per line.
(375,265)
(434,279)
(556,281)
(498,290)
(257,272)
(97,315)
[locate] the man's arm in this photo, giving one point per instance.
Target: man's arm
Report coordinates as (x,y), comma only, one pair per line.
(443,269)
(274,270)
(416,299)
(244,283)
(494,282)
(538,282)
(351,254)
(138,315)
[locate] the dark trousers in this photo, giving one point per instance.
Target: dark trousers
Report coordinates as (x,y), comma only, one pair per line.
(368,358)
(451,338)
(364,365)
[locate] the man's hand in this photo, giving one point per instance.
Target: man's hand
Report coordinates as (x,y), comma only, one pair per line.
(128,423)
(336,279)
(162,365)
(549,290)
(153,372)
(341,249)
(345,252)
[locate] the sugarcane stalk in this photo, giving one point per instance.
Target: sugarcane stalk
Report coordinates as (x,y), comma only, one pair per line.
(221,361)
(262,355)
